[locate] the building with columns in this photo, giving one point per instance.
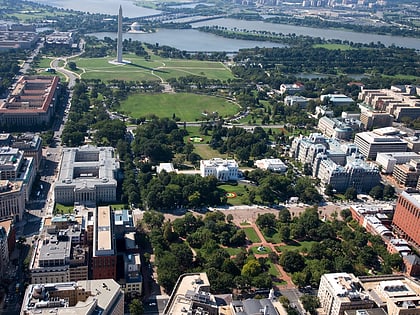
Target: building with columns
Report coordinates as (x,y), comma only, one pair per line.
(88,174)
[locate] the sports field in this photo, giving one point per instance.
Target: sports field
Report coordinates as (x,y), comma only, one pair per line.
(186,106)
(157,68)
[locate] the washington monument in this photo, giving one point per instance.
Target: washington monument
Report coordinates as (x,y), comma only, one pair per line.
(119,37)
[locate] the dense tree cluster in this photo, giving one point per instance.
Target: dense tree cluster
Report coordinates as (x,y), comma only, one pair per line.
(169,191)
(336,247)
(88,117)
(158,140)
(9,67)
(274,188)
(203,251)
(297,59)
(239,142)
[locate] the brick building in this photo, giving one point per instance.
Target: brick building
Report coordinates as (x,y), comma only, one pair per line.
(406,219)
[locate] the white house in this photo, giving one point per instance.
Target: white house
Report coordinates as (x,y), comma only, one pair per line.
(223,169)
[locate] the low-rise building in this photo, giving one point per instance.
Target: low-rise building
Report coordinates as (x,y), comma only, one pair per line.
(167,167)
(59,38)
(373,119)
(223,169)
(337,99)
(82,298)
(291,89)
(398,101)
(273,165)
(295,100)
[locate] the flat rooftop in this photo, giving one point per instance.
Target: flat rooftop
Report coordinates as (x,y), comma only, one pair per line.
(103,243)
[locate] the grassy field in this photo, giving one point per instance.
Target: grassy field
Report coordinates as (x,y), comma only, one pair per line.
(297,246)
(186,106)
(252,235)
(62,209)
(333,46)
(156,68)
(195,131)
(206,152)
(239,190)
(233,251)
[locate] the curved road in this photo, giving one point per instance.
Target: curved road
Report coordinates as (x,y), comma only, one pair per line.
(70,75)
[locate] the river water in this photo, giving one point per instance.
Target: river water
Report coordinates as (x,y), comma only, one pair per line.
(193,40)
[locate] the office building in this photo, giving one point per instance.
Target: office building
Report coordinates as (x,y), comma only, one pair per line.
(407,174)
(371,143)
(17,36)
(191,295)
(342,291)
(399,101)
(223,169)
(59,38)
(104,256)
(31,105)
(406,221)
(87,174)
(12,200)
(74,298)
(388,160)
(356,173)
(396,294)
(334,128)
(372,119)
(133,280)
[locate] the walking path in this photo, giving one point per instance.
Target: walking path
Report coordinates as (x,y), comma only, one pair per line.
(283,275)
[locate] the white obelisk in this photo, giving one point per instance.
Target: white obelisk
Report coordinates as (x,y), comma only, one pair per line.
(119,37)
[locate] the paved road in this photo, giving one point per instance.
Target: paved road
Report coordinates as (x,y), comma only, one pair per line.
(70,75)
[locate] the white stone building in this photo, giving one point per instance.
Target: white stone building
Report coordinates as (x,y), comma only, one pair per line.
(223,169)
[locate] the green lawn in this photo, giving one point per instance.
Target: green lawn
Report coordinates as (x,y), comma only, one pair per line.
(275,238)
(240,192)
(157,68)
(297,246)
(195,131)
(266,250)
(206,152)
(233,251)
(252,235)
(62,209)
(273,270)
(186,106)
